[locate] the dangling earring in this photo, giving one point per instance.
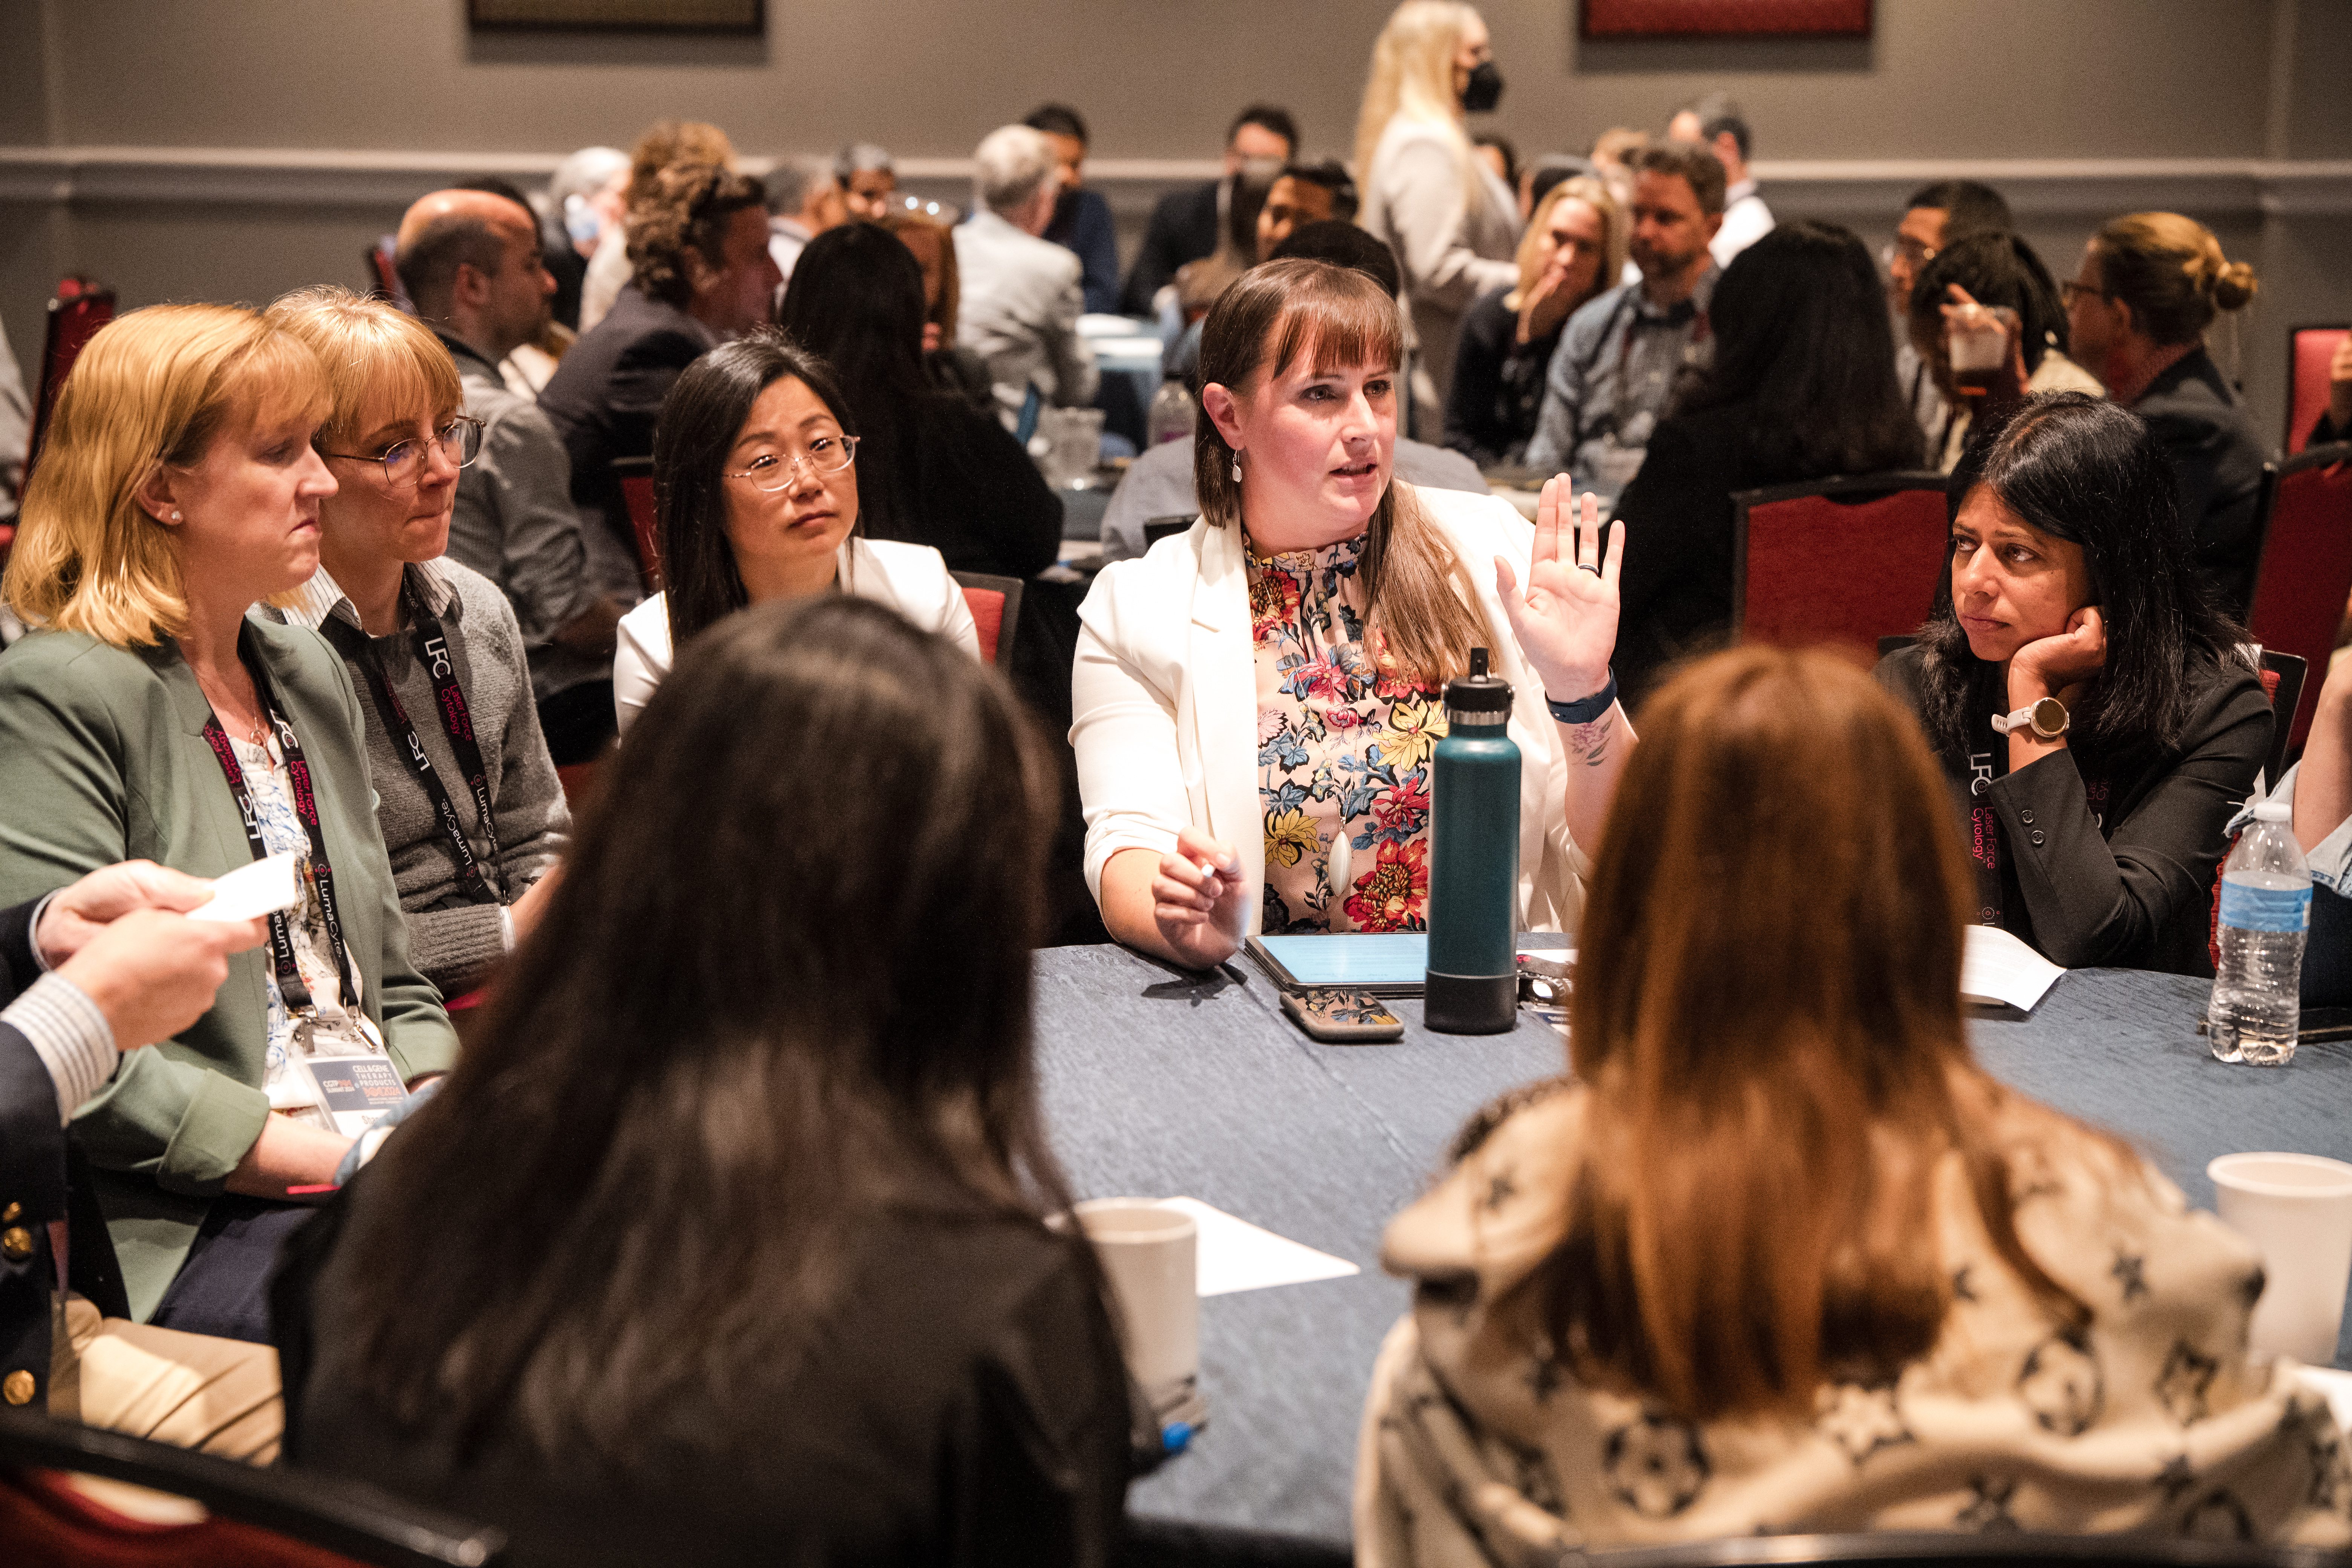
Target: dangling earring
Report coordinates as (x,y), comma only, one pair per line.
(1237,467)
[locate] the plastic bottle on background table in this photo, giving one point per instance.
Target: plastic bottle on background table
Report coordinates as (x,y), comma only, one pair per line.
(2265,915)
(1474,861)
(1171,416)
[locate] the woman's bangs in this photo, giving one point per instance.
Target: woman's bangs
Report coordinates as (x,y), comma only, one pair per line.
(1337,332)
(277,381)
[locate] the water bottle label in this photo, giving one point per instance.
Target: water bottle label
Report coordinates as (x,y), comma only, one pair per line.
(2265,909)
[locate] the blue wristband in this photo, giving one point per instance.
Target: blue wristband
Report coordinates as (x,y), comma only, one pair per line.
(1587,709)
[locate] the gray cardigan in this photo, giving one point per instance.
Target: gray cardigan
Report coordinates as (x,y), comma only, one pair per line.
(452,940)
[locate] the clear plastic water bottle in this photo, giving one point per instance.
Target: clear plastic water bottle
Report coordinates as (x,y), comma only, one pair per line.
(1170,418)
(2265,915)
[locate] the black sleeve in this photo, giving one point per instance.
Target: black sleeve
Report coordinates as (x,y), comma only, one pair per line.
(1163,252)
(32,1194)
(2111,898)
(1040,1466)
(2221,484)
(1473,425)
(1676,587)
(18,968)
(1007,507)
(2325,432)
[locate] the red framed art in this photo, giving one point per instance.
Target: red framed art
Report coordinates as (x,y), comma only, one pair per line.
(1725,18)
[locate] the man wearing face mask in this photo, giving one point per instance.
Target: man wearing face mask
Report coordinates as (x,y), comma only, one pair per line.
(1453,223)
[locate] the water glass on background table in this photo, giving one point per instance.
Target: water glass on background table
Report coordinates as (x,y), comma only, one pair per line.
(2297,1209)
(2264,918)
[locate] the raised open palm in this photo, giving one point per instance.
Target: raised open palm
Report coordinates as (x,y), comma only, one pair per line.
(1566,618)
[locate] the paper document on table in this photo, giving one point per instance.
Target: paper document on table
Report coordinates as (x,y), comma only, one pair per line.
(2336,1385)
(1997,968)
(1235,1255)
(251,892)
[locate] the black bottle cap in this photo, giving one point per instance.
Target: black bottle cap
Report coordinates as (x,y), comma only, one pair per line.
(1479,692)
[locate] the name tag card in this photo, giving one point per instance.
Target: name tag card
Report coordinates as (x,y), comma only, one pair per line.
(355,1091)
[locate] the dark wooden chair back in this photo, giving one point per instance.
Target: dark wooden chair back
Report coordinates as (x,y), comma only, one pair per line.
(2308,350)
(80,306)
(637,477)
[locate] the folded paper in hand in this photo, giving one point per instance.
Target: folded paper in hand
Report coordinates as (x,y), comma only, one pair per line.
(1996,969)
(1235,1255)
(251,892)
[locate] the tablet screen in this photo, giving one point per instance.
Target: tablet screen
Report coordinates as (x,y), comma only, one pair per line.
(1353,958)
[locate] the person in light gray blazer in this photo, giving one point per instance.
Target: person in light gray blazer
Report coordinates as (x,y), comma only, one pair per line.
(1021,295)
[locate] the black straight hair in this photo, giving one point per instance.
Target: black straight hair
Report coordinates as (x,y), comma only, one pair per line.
(1996,270)
(857,302)
(1802,342)
(784,987)
(1058,119)
(1969,207)
(1267,117)
(697,430)
(2082,469)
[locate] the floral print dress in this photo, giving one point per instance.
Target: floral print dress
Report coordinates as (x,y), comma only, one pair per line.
(1344,753)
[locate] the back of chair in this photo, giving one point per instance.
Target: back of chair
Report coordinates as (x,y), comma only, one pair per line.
(2283,678)
(260,1518)
(80,306)
(637,477)
(2308,351)
(1844,561)
(2305,575)
(386,275)
(995,605)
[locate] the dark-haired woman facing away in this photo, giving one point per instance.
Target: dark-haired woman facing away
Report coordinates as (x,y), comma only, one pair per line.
(754,474)
(2091,709)
(1802,387)
(931,468)
(1782,1257)
(719,1251)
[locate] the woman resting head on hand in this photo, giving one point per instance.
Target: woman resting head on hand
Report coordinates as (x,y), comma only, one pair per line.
(740,1195)
(2098,719)
(1256,701)
(1781,1256)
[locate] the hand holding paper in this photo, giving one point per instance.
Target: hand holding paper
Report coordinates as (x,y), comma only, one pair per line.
(251,892)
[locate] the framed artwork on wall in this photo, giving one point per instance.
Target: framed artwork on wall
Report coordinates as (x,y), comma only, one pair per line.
(618,15)
(1724,18)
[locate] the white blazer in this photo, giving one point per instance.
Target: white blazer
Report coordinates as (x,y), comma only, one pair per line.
(1164,695)
(910,578)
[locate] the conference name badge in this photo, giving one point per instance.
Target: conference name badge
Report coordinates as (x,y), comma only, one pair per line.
(354,1090)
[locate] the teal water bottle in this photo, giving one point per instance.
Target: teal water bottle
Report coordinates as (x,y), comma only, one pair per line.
(1474,861)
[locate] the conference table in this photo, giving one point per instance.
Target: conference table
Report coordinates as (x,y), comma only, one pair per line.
(1162,1083)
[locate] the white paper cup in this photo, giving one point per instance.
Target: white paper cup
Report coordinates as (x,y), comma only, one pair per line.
(2297,1209)
(1149,1254)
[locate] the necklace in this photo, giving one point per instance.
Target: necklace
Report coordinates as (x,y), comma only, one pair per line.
(259,735)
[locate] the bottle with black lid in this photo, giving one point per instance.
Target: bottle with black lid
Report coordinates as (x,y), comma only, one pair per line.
(1473,983)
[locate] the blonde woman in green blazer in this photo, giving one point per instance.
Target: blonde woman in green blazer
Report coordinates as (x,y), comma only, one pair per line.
(176,488)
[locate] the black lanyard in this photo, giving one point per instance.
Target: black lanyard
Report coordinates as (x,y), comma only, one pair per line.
(1984,822)
(1617,313)
(292,988)
(457,723)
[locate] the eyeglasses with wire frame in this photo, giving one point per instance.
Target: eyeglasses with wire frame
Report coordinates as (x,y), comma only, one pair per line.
(826,456)
(460,441)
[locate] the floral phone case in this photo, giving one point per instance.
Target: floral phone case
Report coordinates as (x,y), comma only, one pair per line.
(1342,1018)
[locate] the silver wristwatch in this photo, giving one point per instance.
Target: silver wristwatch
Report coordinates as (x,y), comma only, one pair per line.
(2048,719)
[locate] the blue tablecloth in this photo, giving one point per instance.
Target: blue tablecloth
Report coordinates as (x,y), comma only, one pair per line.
(1159,1084)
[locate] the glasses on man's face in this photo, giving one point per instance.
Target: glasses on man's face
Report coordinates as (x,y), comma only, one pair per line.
(826,456)
(2070,291)
(1909,249)
(460,441)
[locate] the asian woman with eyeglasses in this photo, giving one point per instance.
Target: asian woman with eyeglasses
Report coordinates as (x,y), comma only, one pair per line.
(755,477)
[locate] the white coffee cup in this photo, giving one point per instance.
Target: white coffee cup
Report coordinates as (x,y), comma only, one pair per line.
(2297,1209)
(1149,1254)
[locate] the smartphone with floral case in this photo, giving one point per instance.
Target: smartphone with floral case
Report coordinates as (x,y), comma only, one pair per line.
(1339,1018)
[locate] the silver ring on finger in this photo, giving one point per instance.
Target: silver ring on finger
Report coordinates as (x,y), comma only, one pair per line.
(1588,566)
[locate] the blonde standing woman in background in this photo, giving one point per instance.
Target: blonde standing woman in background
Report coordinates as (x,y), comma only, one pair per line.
(1451,222)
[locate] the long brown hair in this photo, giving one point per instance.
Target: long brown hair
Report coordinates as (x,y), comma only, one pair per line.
(1420,608)
(1773,1087)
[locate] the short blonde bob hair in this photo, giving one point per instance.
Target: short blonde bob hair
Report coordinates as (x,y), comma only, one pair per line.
(1616,235)
(380,361)
(154,389)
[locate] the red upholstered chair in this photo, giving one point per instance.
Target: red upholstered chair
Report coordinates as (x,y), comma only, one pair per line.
(996,604)
(80,306)
(637,477)
(1844,561)
(384,276)
(2308,351)
(2305,575)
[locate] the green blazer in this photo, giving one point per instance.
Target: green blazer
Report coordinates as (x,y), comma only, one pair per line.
(102,758)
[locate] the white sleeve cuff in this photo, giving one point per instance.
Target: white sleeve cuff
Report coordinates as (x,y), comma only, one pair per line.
(70,1035)
(506,928)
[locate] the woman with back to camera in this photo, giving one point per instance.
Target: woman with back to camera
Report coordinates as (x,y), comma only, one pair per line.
(472,813)
(1986,271)
(753,461)
(1257,699)
(1802,387)
(1781,1256)
(931,469)
(952,367)
(2098,717)
(2138,312)
(740,1255)
(1451,222)
(148,716)
(1573,248)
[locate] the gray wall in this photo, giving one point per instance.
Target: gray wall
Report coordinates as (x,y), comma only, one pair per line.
(199,148)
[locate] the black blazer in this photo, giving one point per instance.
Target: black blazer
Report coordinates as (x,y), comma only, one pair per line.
(2206,432)
(42,1179)
(946,475)
(1183,229)
(2130,887)
(1498,384)
(608,390)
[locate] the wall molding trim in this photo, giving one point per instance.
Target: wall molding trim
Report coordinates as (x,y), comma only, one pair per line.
(367,180)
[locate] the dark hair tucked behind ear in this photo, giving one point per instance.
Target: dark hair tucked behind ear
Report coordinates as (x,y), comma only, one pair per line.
(700,421)
(2080,468)
(784,984)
